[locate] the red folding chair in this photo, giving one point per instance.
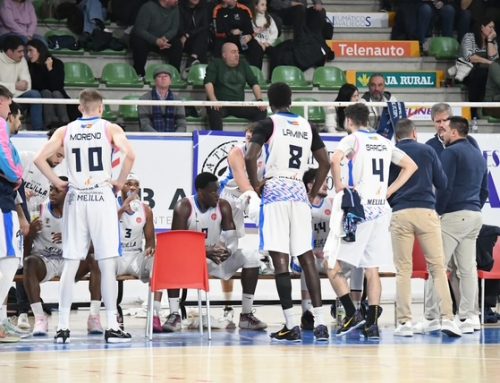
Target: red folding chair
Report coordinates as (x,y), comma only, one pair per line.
(179,263)
(419,269)
(493,274)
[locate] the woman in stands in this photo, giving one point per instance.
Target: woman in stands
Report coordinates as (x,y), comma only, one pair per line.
(265,33)
(47,76)
(335,115)
(479,48)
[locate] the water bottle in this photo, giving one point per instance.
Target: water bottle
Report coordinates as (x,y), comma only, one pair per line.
(475,126)
(340,312)
(135,204)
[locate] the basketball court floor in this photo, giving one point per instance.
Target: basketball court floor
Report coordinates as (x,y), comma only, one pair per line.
(245,356)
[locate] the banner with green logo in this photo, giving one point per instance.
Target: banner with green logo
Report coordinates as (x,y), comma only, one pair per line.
(426,79)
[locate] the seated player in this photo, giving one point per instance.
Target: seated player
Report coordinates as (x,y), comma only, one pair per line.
(43,261)
(138,240)
(205,212)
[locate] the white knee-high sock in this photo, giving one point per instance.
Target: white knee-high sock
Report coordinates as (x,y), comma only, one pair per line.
(66,291)
(109,290)
(8,268)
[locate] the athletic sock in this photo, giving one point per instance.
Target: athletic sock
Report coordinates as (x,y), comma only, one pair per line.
(156,308)
(348,305)
(319,318)
(246,303)
(306,305)
(173,303)
(290,318)
(95,307)
(37,309)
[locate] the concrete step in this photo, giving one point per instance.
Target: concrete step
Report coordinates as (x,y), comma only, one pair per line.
(362,34)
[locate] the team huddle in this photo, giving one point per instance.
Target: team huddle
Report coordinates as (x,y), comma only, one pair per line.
(76,230)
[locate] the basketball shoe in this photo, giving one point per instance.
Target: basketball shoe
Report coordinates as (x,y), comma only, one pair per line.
(157,328)
(41,327)
(6,338)
(249,321)
(94,325)
(321,333)
(62,336)
(371,332)
(173,323)
(351,323)
(307,321)
(23,323)
(117,336)
(293,335)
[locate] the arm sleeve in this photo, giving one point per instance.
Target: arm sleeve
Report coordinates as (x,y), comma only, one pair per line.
(483,194)
(10,165)
(263,131)
(142,24)
(56,75)
(211,73)
(449,167)
(33,20)
(249,75)
(439,178)
(8,20)
(468,46)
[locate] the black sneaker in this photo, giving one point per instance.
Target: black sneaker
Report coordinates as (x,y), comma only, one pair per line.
(117,336)
(364,309)
(333,310)
(293,335)
(307,321)
(321,333)
(371,332)
(351,323)
(62,336)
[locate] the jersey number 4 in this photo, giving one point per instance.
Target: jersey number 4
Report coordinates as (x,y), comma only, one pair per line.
(94,156)
(378,169)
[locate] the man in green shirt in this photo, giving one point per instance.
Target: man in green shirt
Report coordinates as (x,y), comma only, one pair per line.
(156,29)
(225,80)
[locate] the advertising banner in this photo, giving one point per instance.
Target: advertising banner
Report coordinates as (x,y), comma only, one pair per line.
(374,48)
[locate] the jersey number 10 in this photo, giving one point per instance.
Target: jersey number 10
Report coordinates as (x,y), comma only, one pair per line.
(94,156)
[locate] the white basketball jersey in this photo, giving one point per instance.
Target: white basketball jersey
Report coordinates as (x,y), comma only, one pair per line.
(321,222)
(88,152)
(229,184)
(208,222)
(289,148)
(36,185)
(132,230)
(43,244)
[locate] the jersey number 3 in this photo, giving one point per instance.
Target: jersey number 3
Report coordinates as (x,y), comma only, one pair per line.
(94,156)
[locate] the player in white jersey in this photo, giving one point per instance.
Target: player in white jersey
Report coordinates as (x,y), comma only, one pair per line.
(90,207)
(285,222)
(232,189)
(138,239)
(206,213)
(43,261)
(370,156)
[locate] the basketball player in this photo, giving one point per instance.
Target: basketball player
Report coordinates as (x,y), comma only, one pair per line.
(205,212)
(43,261)
(285,224)
(232,188)
(90,207)
(370,155)
(137,236)
(11,173)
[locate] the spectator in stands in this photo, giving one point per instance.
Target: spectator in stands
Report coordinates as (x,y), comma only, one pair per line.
(47,77)
(463,18)
(405,25)
(161,118)
(195,29)
(156,29)
(429,12)
(335,116)
(15,76)
(376,93)
(265,33)
(94,15)
(481,49)
(18,17)
(233,23)
(225,80)
(297,15)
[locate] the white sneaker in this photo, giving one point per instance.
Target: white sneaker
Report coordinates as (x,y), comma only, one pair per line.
(450,328)
(11,329)
(426,326)
(466,326)
(476,322)
(404,329)
(23,323)
(41,327)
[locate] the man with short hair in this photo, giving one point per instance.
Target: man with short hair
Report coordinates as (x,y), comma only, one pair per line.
(90,207)
(156,118)
(43,261)
(369,155)
(460,207)
(207,213)
(286,224)
(377,93)
(225,80)
(15,76)
(11,172)
(414,218)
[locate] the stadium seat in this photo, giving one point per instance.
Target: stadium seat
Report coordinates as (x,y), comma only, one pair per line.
(120,75)
(493,274)
(65,51)
(315,113)
(177,81)
(260,76)
(79,74)
(444,48)
(129,112)
(329,78)
(197,75)
(109,114)
(290,75)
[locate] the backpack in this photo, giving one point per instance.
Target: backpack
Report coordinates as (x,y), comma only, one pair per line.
(63,42)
